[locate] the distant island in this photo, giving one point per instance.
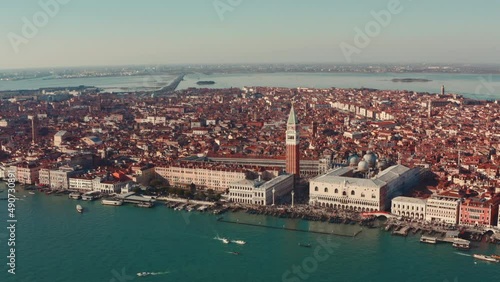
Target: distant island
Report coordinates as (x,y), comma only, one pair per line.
(205,82)
(410,80)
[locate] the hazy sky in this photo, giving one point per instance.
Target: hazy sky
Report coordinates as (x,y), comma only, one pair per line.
(118,32)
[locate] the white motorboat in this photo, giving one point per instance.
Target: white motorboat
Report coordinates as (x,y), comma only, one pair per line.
(141,274)
(485,258)
(79,208)
(75,195)
(31,193)
(239,242)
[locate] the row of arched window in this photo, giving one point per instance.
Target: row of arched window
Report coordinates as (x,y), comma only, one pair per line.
(353,193)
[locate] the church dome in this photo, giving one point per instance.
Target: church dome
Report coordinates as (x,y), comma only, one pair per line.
(370,158)
(363,166)
(353,159)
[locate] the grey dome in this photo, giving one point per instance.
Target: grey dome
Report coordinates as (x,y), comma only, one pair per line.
(353,160)
(382,164)
(370,158)
(363,166)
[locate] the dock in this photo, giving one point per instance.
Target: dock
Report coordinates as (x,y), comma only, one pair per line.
(134,199)
(402,232)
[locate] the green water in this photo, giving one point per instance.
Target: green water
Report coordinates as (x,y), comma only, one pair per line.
(55,243)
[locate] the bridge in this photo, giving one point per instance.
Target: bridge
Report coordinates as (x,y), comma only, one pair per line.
(379,214)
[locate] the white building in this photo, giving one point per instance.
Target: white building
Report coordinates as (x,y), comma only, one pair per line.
(59,137)
(409,207)
(443,208)
(498,225)
(260,192)
(27,173)
(57,178)
(81,183)
(217,179)
(104,184)
(347,188)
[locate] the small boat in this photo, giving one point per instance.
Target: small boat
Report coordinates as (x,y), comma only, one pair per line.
(225,241)
(235,253)
(112,202)
(496,257)
(428,239)
(31,193)
(74,195)
(141,274)
(461,244)
(485,258)
(79,208)
(145,205)
(305,245)
(239,242)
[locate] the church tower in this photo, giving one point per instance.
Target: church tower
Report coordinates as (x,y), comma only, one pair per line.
(292,144)
(34,129)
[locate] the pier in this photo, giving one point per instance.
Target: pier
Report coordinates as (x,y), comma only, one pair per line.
(288,228)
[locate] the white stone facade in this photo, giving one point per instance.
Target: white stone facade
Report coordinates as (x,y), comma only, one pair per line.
(442,208)
(216,179)
(259,192)
(409,207)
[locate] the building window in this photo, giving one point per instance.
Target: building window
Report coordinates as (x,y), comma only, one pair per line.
(336,191)
(344,193)
(352,193)
(326,189)
(373,196)
(362,195)
(316,188)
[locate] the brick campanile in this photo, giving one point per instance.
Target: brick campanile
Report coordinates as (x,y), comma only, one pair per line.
(292,144)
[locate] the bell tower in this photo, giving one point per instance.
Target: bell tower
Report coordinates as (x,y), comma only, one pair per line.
(292,144)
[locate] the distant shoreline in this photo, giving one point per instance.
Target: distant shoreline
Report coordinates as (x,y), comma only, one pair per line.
(410,80)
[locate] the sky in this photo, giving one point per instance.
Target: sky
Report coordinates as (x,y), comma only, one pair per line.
(125,32)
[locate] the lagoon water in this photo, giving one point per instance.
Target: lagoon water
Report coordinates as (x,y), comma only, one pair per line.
(470,85)
(110,84)
(55,243)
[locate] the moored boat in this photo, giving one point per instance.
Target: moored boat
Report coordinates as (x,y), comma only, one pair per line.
(145,205)
(112,202)
(428,240)
(74,195)
(79,208)
(461,244)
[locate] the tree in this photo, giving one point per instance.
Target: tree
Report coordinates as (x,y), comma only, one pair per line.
(250,175)
(192,188)
(156,183)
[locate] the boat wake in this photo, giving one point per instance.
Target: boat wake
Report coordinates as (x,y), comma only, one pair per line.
(462,254)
